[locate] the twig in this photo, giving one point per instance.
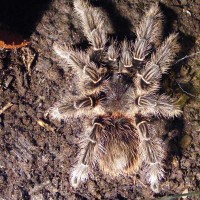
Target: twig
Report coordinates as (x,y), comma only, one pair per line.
(45,125)
(8,105)
(187,56)
(186,91)
(179,195)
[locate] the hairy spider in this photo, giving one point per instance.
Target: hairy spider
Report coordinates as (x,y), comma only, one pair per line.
(118,83)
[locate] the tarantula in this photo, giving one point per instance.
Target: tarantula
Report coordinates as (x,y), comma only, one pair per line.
(118,84)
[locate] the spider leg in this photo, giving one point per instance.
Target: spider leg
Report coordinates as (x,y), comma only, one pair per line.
(86,157)
(148,33)
(91,78)
(147,81)
(75,59)
(165,54)
(90,75)
(152,154)
(93,24)
(86,105)
(157,105)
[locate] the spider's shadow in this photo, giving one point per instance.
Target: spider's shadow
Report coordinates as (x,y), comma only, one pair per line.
(120,24)
(186,43)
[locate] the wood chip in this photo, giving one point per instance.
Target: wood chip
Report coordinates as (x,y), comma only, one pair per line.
(28,56)
(45,125)
(8,105)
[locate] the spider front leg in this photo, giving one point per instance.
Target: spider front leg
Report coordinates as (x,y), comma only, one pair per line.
(93,24)
(148,79)
(152,152)
(91,78)
(148,33)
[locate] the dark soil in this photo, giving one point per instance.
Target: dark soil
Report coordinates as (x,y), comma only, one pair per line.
(36,153)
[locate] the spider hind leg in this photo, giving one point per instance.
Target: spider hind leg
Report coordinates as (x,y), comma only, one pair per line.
(152,153)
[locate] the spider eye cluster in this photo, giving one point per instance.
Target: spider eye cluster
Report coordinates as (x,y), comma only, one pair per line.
(118,84)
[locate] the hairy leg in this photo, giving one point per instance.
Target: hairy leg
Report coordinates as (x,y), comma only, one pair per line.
(77,106)
(148,33)
(152,153)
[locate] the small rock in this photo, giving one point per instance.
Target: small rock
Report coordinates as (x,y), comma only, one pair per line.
(179,175)
(187,180)
(185,141)
(175,162)
(183,2)
(8,81)
(184,71)
(26,121)
(185,192)
(1,180)
(187,164)
(15,107)
(92,188)
(37,197)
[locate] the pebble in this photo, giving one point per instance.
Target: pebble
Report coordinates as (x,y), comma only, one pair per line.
(92,188)
(8,81)
(187,163)
(185,141)
(183,2)
(179,175)
(175,162)
(26,121)
(14,108)
(37,196)
(185,191)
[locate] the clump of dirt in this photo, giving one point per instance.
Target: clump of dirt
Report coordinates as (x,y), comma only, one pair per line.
(36,154)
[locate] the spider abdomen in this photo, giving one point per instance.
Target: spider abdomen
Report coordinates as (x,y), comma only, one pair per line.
(119,145)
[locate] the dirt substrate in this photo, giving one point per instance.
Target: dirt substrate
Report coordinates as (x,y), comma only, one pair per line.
(36,153)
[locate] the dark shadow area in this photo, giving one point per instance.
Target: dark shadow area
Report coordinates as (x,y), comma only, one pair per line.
(176,125)
(21,16)
(169,17)
(119,197)
(186,42)
(121,25)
